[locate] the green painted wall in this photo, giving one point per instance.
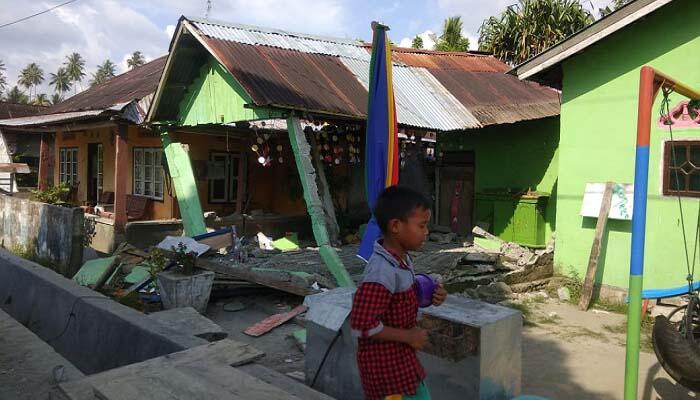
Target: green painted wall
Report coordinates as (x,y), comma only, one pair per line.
(515,156)
(597,143)
(216,97)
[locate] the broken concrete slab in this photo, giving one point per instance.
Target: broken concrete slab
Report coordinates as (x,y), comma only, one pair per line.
(442,238)
(480,258)
(188,320)
(289,382)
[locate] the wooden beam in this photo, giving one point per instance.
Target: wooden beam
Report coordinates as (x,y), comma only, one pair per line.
(587,291)
(44,162)
(121,172)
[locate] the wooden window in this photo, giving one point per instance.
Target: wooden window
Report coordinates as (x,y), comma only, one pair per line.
(224,172)
(100,170)
(68,166)
(682,168)
(148,172)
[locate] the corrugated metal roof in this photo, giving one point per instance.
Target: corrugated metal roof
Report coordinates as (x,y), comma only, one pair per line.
(441,91)
(15,110)
(420,99)
(285,40)
(274,76)
(49,118)
(127,87)
(496,98)
(449,61)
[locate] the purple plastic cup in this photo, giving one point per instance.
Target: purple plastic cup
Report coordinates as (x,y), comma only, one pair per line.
(425,287)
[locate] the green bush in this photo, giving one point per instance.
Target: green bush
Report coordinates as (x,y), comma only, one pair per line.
(57,195)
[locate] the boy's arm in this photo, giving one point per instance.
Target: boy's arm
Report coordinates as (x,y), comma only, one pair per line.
(369,305)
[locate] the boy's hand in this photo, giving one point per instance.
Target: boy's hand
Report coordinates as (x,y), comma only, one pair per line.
(439,295)
(418,338)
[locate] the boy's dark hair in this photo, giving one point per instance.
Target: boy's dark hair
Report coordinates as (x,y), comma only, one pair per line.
(398,202)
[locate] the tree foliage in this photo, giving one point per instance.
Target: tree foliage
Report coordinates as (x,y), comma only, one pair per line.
(529,27)
(41,100)
(417,42)
(61,81)
(16,95)
(30,77)
(616,4)
(56,98)
(451,38)
(105,72)
(136,60)
(75,67)
(3,78)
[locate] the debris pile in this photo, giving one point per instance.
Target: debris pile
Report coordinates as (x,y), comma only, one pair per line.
(491,269)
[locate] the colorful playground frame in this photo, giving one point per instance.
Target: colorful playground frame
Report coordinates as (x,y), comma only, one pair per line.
(651,82)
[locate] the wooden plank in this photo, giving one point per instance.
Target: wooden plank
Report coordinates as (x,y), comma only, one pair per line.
(250,276)
(273,322)
(199,381)
(224,352)
(283,382)
(587,290)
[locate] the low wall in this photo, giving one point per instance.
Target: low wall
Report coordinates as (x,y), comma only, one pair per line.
(51,234)
(144,234)
(92,331)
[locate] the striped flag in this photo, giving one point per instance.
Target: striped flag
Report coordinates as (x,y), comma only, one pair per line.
(382,136)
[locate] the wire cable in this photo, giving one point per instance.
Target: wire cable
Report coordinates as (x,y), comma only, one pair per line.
(37,14)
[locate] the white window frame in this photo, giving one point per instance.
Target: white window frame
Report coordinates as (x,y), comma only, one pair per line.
(231,180)
(68,166)
(150,186)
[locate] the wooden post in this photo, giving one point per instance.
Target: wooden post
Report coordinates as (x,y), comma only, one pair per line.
(44,162)
(587,291)
(326,199)
(307,174)
(121,169)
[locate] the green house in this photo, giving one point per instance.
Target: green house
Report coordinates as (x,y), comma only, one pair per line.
(598,72)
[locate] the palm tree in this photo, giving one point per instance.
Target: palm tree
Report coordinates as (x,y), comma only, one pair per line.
(30,77)
(75,67)
(136,60)
(451,38)
(3,79)
(531,26)
(105,72)
(56,98)
(417,42)
(61,81)
(41,100)
(15,95)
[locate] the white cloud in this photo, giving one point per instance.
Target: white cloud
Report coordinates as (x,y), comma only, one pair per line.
(429,38)
(170,31)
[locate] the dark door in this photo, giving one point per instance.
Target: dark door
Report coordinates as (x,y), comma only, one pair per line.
(95,172)
(456,196)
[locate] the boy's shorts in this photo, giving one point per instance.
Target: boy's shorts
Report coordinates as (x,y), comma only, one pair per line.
(422,393)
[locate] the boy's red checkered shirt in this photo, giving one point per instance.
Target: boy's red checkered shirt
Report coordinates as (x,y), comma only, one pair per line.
(386,368)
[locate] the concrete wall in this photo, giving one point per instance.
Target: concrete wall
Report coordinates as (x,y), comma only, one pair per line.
(517,156)
(92,331)
(50,233)
(598,137)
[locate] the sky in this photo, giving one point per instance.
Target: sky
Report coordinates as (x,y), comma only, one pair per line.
(101,29)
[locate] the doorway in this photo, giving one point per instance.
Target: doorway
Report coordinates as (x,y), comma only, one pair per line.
(95,172)
(456,192)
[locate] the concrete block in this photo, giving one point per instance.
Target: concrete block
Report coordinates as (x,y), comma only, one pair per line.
(144,234)
(178,290)
(187,320)
(474,350)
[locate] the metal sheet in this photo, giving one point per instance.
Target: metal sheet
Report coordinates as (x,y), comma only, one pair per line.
(420,99)
(254,35)
(449,61)
(497,98)
(274,76)
(14,110)
(49,118)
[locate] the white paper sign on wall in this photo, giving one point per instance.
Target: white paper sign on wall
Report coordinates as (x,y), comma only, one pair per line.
(621,206)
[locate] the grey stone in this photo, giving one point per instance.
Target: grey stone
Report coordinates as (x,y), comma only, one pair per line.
(234,306)
(480,258)
(178,290)
(485,363)
(442,238)
(188,320)
(564,294)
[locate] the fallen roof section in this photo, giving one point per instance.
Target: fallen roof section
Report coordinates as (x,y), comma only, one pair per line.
(546,66)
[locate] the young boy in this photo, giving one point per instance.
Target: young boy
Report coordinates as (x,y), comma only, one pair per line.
(385,306)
